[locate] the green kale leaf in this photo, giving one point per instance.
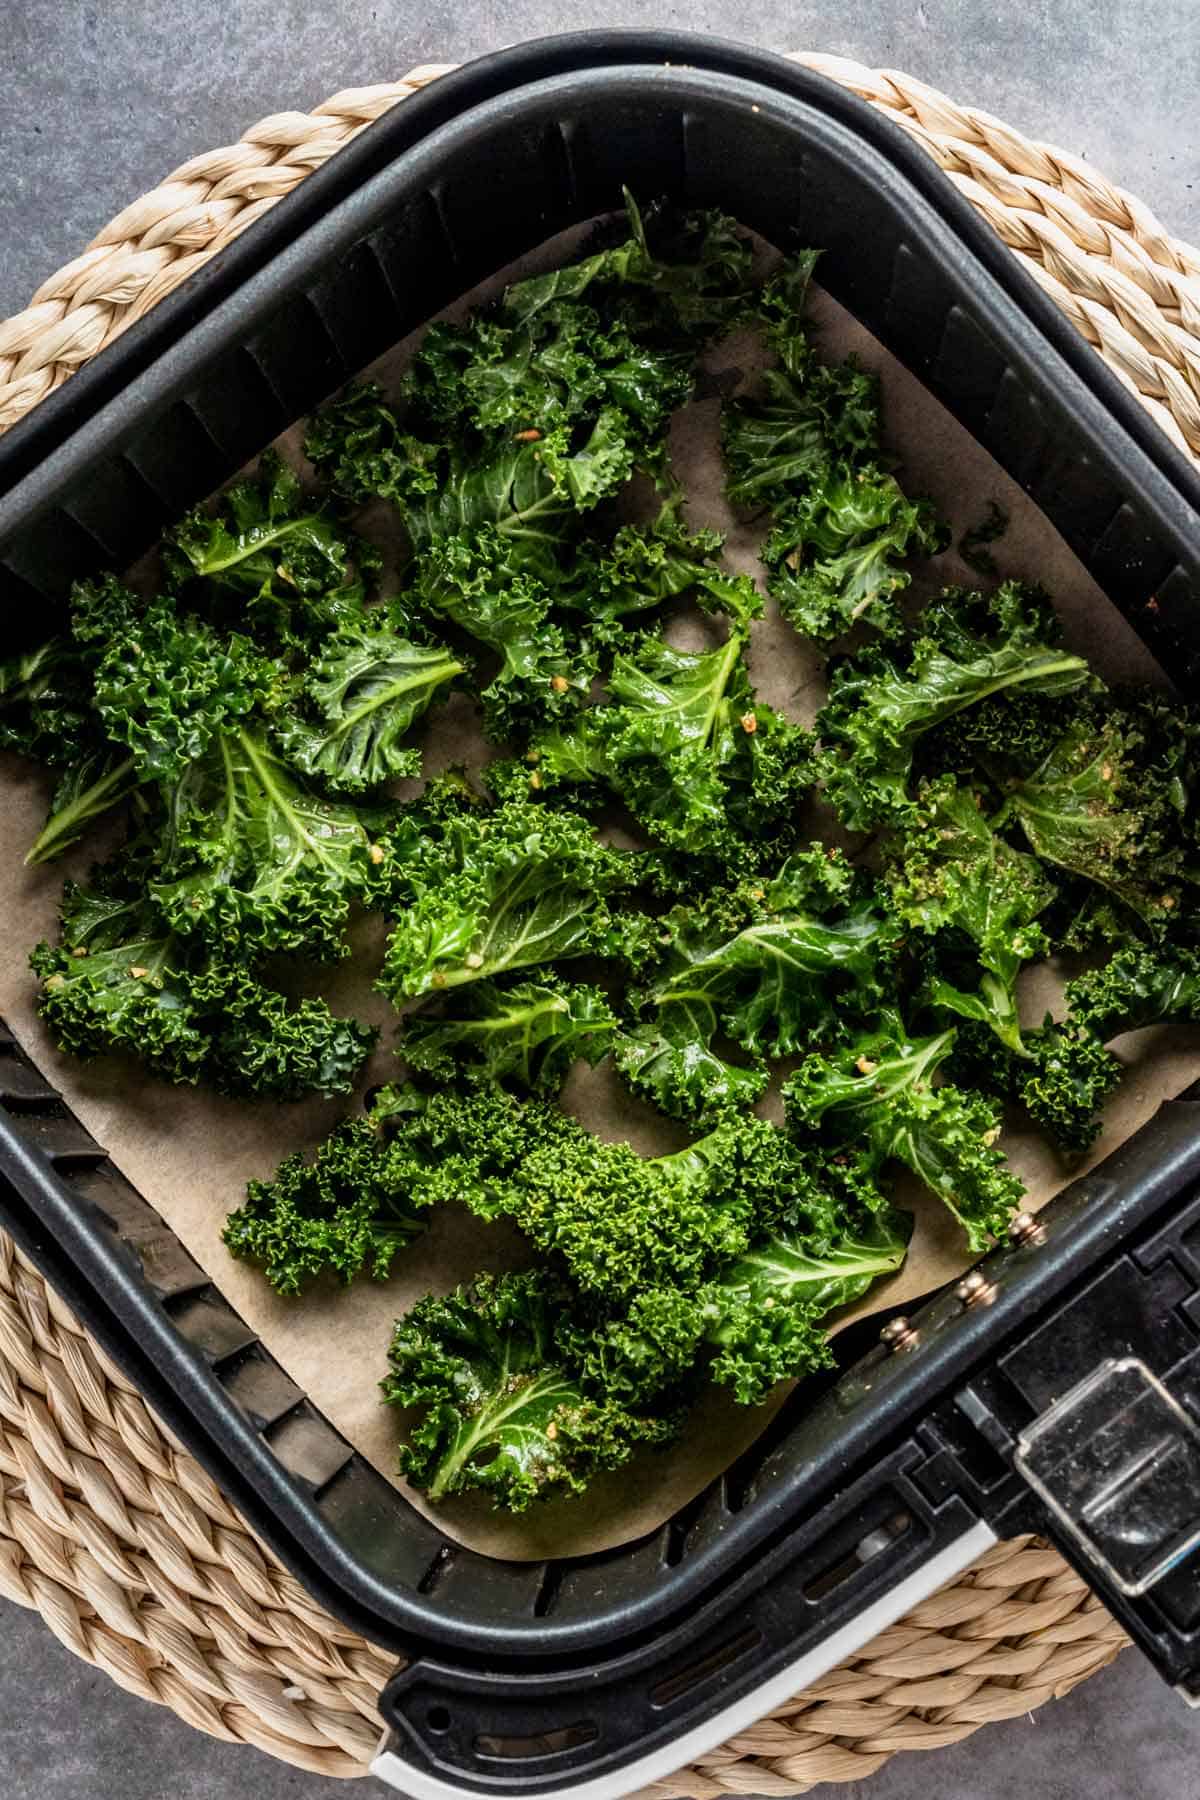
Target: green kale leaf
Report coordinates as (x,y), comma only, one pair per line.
(500,1411)
(963,651)
(252,859)
(879,1089)
(836,551)
(122,980)
(364,692)
(485,892)
(951,872)
(527,1034)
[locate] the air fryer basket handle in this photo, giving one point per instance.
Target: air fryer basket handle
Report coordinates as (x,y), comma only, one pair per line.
(610,1726)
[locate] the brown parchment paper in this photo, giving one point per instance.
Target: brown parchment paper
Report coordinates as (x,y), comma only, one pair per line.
(190,1153)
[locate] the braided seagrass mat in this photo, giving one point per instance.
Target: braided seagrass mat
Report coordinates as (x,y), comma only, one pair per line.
(113,1532)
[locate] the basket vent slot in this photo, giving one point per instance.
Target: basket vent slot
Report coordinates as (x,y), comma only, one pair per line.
(527,1749)
(714,1662)
(441,1565)
(546,1598)
(848,1563)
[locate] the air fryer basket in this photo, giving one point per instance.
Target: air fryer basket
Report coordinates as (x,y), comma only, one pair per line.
(597,1673)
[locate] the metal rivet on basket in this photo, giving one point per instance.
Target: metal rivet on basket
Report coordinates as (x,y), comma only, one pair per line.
(975,1290)
(1025,1230)
(899,1334)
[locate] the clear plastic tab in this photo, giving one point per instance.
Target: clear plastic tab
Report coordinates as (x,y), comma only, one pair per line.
(1117,1460)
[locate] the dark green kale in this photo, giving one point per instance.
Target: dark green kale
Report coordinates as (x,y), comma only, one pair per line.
(1112,803)
(684,744)
(613,1222)
(803,414)
(765,1314)
(168,686)
(481,891)
(526,1034)
(502,1411)
(47,712)
(678,278)
(527,415)
(836,551)
(253,860)
(365,690)
(638,569)
(501,591)
(122,980)
(876,1098)
(348,1210)
(1062,1077)
(1140,985)
(776,980)
(962,651)
(45,701)
(953,876)
(544,369)
(269,560)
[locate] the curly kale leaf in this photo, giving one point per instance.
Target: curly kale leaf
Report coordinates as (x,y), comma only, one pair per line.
(781,983)
(1108,804)
(671,1062)
(168,685)
(835,552)
(501,1411)
(951,872)
(89,788)
(347,1210)
(817,1236)
(488,891)
(527,1035)
(684,744)
(641,567)
(622,1223)
(1063,1080)
(1063,1077)
(123,981)
(364,692)
(515,370)
(883,700)
(1141,985)
(879,1089)
(532,490)
(487,585)
(47,711)
(45,701)
(670,729)
(271,560)
(1067,1074)
(765,1313)
(677,279)
(614,1221)
(780,440)
(359,445)
(252,859)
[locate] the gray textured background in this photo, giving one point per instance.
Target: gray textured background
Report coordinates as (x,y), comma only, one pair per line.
(100,102)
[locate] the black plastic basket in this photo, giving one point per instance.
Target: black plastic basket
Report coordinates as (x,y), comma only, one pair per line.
(599,1673)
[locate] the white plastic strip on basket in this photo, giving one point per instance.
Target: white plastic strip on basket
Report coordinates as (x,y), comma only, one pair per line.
(392,1767)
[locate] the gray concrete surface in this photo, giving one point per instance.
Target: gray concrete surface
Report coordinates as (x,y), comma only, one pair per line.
(99,102)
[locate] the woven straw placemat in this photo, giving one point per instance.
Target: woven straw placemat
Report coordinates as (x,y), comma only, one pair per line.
(112,1531)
